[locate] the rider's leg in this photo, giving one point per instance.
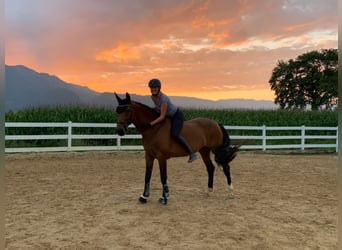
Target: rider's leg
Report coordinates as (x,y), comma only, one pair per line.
(182,141)
(177,124)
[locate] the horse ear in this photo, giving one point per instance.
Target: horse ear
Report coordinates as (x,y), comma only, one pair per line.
(118,98)
(128,97)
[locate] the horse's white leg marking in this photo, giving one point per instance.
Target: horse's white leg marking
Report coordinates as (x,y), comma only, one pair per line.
(210,190)
(231,191)
(144,197)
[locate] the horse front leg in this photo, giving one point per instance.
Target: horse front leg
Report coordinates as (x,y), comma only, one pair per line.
(163,179)
(148,174)
(226,170)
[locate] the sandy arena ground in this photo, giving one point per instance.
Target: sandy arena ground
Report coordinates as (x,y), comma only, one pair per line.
(90,201)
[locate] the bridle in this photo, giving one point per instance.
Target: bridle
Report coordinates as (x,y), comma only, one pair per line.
(120,109)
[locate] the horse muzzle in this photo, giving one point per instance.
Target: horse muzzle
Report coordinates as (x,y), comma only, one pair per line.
(121,129)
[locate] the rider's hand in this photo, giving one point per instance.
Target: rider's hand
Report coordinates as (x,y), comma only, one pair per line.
(146,125)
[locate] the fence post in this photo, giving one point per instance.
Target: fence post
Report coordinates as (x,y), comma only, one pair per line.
(118,143)
(118,140)
(69,135)
(302,138)
(264,137)
(337,139)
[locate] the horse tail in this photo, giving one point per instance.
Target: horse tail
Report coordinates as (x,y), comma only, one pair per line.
(226,152)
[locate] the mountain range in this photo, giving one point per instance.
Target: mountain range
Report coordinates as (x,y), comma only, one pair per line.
(26,88)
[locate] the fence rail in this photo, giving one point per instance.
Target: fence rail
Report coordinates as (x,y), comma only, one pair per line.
(252,137)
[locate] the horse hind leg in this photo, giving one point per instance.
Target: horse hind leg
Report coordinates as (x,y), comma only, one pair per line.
(205,154)
(226,170)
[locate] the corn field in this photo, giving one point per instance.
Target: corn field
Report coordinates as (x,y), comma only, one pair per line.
(106,115)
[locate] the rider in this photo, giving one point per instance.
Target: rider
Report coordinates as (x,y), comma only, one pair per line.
(166,108)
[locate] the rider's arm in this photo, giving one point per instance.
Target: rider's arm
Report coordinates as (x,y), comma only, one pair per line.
(162,115)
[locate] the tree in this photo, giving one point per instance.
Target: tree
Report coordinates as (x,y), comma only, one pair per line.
(310,79)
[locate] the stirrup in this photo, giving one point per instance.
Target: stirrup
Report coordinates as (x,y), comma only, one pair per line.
(192,158)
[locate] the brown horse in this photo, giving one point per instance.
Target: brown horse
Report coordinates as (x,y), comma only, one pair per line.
(203,135)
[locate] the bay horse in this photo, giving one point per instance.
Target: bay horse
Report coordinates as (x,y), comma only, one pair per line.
(203,135)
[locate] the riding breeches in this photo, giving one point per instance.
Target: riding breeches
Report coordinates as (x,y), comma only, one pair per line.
(177,123)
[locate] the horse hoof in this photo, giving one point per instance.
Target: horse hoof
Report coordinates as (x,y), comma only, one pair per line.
(142,200)
(162,201)
(210,190)
(231,196)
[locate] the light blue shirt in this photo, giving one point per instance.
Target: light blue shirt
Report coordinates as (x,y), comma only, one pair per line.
(171,108)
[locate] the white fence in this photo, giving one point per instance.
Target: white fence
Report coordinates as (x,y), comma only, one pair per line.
(263,138)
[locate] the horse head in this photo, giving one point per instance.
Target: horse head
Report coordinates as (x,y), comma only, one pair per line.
(124,113)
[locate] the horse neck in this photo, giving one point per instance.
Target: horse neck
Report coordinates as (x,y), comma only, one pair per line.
(141,114)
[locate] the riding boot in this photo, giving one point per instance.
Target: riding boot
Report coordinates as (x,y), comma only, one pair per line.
(192,155)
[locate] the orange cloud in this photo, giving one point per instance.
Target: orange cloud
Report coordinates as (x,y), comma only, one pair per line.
(218,35)
(296,26)
(123,52)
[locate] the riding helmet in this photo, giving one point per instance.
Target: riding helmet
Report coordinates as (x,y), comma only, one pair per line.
(154,83)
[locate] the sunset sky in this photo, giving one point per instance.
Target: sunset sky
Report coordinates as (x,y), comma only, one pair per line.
(218,49)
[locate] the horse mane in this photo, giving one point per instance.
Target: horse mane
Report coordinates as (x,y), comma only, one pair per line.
(146,107)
